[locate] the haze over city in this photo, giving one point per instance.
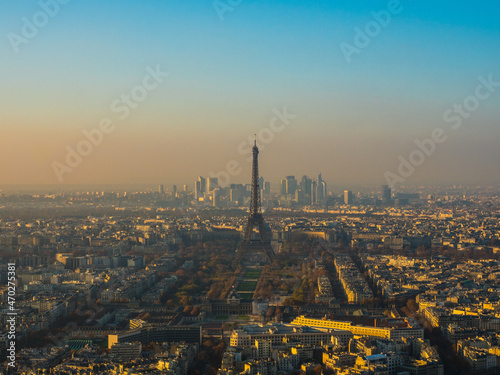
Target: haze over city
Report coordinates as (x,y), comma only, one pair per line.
(249,187)
(356,103)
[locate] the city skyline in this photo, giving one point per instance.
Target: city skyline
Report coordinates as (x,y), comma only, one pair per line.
(343,89)
(245,187)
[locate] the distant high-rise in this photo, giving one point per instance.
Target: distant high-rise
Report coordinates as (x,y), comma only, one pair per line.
(212,183)
(216,197)
(314,192)
(236,193)
(305,186)
(291,185)
(305,191)
(386,193)
(200,187)
(321,193)
(197,190)
(267,189)
(348,197)
(174,190)
(283,187)
(161,191)
(203,184)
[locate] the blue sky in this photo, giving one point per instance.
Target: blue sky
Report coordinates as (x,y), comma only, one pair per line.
(227,76)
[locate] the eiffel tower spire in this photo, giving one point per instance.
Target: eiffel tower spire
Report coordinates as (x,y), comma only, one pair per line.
(255,199)
(255,219)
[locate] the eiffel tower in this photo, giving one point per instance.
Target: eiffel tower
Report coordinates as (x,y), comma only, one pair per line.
(255,220)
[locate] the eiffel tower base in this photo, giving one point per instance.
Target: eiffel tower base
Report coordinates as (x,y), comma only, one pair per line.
(245,248)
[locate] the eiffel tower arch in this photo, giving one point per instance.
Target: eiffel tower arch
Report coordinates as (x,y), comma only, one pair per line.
(262,244)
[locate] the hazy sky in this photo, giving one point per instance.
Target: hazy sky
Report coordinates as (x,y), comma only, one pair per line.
(231,69)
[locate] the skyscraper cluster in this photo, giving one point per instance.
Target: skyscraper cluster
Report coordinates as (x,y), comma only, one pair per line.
(207,190)
(307,192)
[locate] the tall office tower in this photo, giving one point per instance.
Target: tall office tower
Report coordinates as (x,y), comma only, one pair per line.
(322,192)
(319,190)
(216,197)
(255,219)
(237,193)
(314,190)
(305,187)
(185,188)
(386,193)
(283,187)
(197,190)
(325,190)
(291,185)
(203,184)
(348,197)
(299,196)
(262,187)
(212,183)
(267,188)
(174,191)
(161,191)
(234,194)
